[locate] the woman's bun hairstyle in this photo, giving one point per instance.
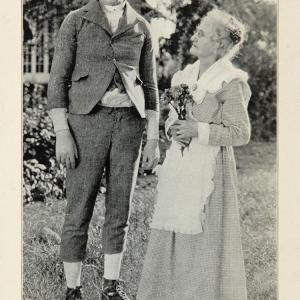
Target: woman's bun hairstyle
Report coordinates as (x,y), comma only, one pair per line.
(227,26)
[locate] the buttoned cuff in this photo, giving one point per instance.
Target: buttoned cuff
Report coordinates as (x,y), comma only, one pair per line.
(203,133)
(59,119)
(152,117)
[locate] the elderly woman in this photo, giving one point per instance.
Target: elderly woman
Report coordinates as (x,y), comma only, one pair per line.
(195,251)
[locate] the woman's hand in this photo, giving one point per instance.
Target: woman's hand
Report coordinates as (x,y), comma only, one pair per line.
(184,130)
(181,142)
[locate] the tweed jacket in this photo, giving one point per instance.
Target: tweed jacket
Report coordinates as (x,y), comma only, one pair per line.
(87,55)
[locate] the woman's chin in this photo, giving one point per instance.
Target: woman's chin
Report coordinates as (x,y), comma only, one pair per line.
(193,51)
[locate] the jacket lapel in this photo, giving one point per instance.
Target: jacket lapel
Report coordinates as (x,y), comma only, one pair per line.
(95,14)
(128,20)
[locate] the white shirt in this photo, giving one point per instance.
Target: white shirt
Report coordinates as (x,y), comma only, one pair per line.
(113,14)
(115,98)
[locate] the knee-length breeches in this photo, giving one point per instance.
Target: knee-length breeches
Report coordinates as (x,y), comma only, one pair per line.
(110,138)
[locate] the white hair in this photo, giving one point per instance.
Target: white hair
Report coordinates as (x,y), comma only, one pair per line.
(228,27)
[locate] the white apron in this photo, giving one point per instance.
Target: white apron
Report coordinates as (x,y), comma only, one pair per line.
(186,182)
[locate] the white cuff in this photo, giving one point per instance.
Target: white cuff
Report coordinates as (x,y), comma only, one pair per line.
(203,133)
(152,117)
(59,119)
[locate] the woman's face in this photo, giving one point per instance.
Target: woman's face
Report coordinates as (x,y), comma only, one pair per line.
(204,42)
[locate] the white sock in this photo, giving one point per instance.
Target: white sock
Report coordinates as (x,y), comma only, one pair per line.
(72,273)
(112,266)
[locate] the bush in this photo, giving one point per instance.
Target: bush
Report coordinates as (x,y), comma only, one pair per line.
(42,177)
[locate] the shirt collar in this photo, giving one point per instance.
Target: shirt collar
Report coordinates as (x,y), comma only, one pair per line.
(113,8)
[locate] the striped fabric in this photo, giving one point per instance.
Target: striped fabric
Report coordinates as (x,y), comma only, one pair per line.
(209,265)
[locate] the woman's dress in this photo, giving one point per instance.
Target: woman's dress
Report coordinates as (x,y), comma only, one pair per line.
(203,264)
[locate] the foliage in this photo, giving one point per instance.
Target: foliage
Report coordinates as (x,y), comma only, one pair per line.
(258,58)
(41,176)
(181,101)
(39,10)
(180,98)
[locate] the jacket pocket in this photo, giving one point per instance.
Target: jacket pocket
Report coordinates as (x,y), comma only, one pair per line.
(78,75)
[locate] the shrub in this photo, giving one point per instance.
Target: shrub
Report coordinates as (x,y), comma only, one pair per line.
(42,177)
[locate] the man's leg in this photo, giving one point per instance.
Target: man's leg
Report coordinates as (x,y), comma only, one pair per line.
(92,135)
(122,171)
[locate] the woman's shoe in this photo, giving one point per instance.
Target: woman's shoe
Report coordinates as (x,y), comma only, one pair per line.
(113,290)
(74,294)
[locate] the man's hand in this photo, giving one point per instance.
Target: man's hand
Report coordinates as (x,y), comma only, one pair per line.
(150,155)
(66,150)
(184,130)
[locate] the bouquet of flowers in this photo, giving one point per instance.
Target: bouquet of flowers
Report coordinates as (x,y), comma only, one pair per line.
(180,98)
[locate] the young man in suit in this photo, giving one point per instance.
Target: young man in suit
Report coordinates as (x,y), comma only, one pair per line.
(103,76)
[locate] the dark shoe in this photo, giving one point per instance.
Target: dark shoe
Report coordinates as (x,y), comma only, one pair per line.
(113,290)
(73,294)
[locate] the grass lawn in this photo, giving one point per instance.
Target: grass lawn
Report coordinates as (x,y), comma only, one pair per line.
(43,277)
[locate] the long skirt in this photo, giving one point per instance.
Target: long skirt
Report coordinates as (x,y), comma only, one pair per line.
(204,266)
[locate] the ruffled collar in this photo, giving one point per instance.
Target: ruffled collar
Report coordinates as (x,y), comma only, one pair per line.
(211,81)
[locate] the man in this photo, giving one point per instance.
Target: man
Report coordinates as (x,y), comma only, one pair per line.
(103,75)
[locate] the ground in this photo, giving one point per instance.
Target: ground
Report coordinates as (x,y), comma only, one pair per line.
(43,274)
